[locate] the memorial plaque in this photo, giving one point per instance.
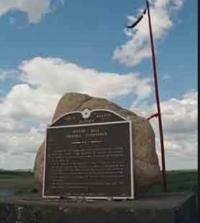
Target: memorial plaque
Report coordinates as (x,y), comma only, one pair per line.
(89,154)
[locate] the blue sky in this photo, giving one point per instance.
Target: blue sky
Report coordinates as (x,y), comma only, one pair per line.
(87,34)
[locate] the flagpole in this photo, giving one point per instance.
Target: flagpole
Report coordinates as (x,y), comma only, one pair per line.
(164,178)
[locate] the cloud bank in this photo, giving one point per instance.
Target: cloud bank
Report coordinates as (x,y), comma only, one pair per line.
(137,47)
(180,129)
(28,107)
(35,9)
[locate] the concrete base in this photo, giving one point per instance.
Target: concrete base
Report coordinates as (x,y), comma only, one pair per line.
(157,208)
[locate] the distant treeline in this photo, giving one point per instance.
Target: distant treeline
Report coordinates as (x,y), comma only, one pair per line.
(15,173)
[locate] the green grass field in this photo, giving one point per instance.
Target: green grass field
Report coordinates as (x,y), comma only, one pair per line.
(22,182)
(178,181)
(16,182)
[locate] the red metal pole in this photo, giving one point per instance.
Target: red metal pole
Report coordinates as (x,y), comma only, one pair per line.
(157,102)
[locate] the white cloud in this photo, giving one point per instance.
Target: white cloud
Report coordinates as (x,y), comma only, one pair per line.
(180,129)
(21,142)
(28,107)
(18,148)
(43,73)
(137,47)
(31,103)
(7,74)
(35,9)
(47,79)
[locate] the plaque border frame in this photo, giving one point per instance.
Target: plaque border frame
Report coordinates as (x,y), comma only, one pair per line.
(132,195)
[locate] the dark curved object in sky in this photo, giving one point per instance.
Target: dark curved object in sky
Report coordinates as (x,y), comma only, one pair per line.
(137,21)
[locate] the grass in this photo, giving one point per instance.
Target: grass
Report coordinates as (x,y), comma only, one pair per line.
(22,182)
(178,181)
(16,181)
(10,174)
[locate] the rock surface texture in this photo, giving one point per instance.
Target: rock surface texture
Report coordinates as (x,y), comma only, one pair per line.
(146,167)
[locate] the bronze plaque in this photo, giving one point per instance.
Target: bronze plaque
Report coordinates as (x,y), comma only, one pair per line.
(89,159)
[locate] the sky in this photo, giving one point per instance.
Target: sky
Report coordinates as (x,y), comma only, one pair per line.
(51,47)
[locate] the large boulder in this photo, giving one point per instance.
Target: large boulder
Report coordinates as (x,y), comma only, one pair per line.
(146,166)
